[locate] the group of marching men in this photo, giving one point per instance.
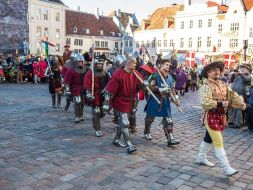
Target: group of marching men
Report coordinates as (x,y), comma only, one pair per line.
(118,89)
(93,86)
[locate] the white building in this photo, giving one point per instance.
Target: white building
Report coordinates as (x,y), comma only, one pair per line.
(127,24)
(197,27)
(46,18)
(85,29)
(157,33)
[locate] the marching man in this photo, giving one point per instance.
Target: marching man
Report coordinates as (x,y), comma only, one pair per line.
(215,98)
(122,90)
(95,95)
(154,109)
(74,85)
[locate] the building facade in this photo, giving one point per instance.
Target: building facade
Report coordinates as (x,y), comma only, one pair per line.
(157,32)
(13,26)
(46,22)
(127,24)
(86,30)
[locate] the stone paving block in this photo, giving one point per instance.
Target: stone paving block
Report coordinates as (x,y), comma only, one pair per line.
(64,186)
(177,182)
(185,187)
(163,180)
(67,177)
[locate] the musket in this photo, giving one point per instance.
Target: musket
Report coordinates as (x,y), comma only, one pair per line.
(164,82)
(152,94)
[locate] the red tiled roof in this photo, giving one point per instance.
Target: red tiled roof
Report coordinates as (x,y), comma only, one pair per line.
(248,4)
(83,21)
(156,20)
(223,8)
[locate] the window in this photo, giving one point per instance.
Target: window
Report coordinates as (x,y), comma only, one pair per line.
(200,24)
(148,44)
(113,33)
(130,43)
(181,42)
(171,43)
(182,24)
(153,43)
(251,32)
(38,13)
(208,42)
(199,42)
(220,28)
(250,48)
(75,29)
(57,34)
(164,35)
(234,27)
(78,42)
(191,24)
(165,43)
(101,32)
(57,48)
(159,43)
(87,31)
(233,43)
(219,43)
(116,44)
(57,18)
(68,41)
(103,43)
(190,43)
(46,32)
(45,14)
(39,31)
(210,22)
(97,43)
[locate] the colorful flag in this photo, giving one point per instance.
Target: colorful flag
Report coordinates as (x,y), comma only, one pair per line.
(190,59)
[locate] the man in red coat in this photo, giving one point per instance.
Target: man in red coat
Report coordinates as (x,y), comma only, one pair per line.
(74,85)
(122,88)
(66,54)
(96,98)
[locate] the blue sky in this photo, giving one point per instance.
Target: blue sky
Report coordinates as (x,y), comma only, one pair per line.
(142,8)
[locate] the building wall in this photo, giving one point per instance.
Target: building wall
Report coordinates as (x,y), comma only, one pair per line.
(84,43)
(155,40)
(35,21)
(13,25)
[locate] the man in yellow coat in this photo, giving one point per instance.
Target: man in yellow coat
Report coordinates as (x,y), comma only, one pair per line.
(215,98)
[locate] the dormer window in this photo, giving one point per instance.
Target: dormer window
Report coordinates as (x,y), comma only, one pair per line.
(119,34)
(87,31)
(101,32)
(113,33)
(75,29)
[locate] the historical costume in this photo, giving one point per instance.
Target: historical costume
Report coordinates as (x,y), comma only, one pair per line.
(215,98)
(55,83)
(123,88)
(96,98)
(67,53)
(153,109)
(74,85)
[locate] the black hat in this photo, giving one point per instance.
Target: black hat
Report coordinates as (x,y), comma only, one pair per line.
(217,64)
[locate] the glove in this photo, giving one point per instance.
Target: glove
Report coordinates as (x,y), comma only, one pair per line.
(89,96)
(145,83)
(164,91)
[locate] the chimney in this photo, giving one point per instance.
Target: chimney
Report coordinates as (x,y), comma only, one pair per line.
(97,13)
(119,13)
(187,3)
(78,8)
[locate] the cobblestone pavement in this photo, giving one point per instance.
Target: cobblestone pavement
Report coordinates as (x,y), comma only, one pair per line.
(41,148)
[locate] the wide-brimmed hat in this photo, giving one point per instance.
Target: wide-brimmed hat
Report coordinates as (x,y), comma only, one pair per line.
(217,64)
(67,45)
(247,66)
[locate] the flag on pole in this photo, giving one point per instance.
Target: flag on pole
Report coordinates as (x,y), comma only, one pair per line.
(190,59)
